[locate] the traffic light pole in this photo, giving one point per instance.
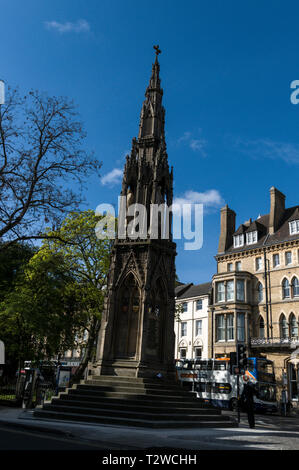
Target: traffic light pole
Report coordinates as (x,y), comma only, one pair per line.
(241,362)
(238,386)
(238,398)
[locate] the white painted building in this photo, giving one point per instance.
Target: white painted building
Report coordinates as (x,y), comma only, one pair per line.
(191,328)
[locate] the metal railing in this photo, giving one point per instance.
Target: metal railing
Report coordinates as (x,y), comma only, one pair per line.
(8,391)
(277,341)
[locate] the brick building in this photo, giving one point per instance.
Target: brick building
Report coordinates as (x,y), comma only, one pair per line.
(256,289)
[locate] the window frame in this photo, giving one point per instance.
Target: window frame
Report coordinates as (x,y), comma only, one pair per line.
(221,328)
(260,292)
(241,326)
(283,327)
(181,350)
(257,260)
(293,324)
(238,240)
(285,258)
(286,287)
(273,258)
(261,327)
(252,237)
(295,287)
(198,327)
(230,281)
(240,282)
(217,291)
(183,324)
(292,224)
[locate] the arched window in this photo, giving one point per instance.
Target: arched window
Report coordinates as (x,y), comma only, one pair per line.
(295,287)
(283,327)
(261,328)
(285,289)
(293,326)
(260,292)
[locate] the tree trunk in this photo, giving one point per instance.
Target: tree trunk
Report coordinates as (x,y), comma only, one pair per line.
(79,374)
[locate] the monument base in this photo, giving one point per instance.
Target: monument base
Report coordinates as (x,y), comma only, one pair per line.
(131,368)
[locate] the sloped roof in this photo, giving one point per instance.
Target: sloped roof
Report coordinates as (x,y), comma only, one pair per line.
(264,238)
(193,290)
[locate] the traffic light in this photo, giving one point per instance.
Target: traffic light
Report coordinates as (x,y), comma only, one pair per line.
(241,355)
(232,362)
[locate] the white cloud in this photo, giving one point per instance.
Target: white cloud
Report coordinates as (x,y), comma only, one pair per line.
(197,145)
(266,148)
(211,199)
(81,26)
(112,178)
(185,137)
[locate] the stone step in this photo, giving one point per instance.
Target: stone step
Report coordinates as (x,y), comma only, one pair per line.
(136,386)
(124,378)
(129,395)
(142,401)
(111,420)
(190,416)
(132,389)
(107,379)
(139,408)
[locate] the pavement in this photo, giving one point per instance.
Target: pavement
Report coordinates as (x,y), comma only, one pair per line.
(270,433)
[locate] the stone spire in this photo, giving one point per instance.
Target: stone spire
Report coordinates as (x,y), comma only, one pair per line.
(147,178)
(152,116)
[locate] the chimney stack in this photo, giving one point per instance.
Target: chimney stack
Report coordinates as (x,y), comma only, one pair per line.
(277,208)
(227,228)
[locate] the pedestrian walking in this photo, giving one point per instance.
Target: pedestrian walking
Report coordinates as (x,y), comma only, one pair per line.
(247,400)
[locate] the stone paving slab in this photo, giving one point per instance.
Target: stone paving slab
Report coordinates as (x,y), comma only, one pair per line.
(264,437)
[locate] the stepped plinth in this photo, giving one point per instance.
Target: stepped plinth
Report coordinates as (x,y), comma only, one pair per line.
(126,401)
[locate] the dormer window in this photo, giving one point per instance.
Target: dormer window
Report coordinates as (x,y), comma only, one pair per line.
(238,241)
(251,237)
(294,227)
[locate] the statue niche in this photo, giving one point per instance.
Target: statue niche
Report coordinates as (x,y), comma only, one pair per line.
(156,321)
(128,318)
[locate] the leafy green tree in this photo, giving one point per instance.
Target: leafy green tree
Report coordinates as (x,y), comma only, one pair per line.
(58,303)
(87,258)
(36,315)
(12,263)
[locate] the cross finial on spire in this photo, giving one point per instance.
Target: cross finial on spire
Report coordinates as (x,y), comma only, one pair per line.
(158,51)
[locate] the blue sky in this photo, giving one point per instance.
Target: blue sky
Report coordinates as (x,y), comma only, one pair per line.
(226,69)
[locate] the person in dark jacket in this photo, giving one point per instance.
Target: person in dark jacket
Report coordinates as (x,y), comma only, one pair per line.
(247,400)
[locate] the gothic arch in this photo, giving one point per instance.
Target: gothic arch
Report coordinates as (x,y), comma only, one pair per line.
(285,287)
(156,321)
(183,344)
(130,267)
(198,342)
(293,325)
(127,317)
(283,326)
(295,286)
(261,327)
(260,291)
